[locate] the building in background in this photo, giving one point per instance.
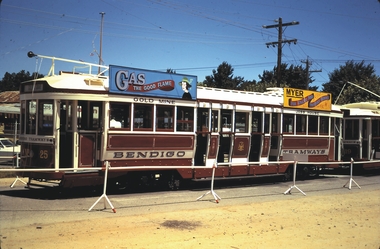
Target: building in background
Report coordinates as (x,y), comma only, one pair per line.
(9,113)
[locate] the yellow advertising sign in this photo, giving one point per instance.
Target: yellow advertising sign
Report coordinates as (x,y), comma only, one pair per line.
(305,99)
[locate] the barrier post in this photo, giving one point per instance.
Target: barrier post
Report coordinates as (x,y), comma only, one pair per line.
(16,180)
(104,192)
(351,179)
(216,197)
(294,181)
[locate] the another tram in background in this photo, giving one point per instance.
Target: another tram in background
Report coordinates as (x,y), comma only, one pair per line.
(361,136)
(136,117)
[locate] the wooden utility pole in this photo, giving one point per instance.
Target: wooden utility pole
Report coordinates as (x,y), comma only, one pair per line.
(280,43)
(308,71)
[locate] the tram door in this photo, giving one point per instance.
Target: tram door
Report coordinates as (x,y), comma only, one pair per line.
(89,127)
(66,151)
(375,153)
(207,137)
(257,137)
(226,137)
(276,138)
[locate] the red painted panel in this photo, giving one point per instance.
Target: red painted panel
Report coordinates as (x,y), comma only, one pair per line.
(174,141)
(150,142)
(86,150)
(265,147)
(241,146)
(207,172)
(318,143)
(294,142)
(263,169)
(214,145)
(129,141)
(239,171)
(150,162)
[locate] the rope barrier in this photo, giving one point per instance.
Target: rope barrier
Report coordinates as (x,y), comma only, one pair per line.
(211,191)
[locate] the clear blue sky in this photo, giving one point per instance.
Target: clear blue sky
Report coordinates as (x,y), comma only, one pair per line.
(191,37)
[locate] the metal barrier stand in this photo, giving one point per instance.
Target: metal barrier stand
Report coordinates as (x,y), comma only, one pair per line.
(104,195)
(294,181)
(351,179)
(216,196)
(16,180)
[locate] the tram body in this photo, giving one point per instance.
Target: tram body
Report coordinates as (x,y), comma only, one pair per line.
(136,117)
(361,133)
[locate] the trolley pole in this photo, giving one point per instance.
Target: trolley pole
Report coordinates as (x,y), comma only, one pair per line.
(101,41)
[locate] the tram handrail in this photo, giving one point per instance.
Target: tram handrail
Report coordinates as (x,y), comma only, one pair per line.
(51,72)
(176,167)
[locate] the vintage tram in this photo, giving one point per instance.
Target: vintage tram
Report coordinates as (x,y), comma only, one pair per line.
(162,122)
(361,134)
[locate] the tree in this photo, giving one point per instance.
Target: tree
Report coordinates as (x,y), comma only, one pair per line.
(223,77)
(11,82)
(358,73)
(293,76)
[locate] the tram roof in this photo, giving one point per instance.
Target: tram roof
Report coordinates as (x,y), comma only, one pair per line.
(77,81)
(363,108)
(272,97)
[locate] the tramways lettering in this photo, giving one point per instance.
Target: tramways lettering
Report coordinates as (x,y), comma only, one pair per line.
(150,154)
(305,152)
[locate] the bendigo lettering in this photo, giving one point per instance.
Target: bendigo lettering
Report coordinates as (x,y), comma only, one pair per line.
(148,154)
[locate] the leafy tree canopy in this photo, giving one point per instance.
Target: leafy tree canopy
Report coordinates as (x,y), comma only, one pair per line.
(223,77)
(359,74)
(291,76)
(12,81)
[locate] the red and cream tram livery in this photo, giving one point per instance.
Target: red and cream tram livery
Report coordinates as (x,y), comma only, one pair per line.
(361,133)
(136,117)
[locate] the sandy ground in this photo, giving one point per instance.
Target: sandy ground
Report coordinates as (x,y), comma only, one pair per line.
(350,220)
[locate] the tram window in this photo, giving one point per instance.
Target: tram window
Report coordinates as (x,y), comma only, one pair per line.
(257,121)
(323,125)
(214,121)
(185,118)
(202,121)
(120,115)
(142,118)
(266,123)
(69,116)
(376,128)
(45,117)
(364,131)
(22,117)
(288,123)
(275,120)
(31,117)
(226,121)
(300,124)
(164,118)
(241,120)
(95,117)
(351,129)
(313,125)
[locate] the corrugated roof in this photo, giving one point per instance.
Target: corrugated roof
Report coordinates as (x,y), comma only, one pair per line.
(10,97)
(12,108)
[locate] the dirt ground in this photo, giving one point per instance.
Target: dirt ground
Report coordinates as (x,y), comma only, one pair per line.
(350,220)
